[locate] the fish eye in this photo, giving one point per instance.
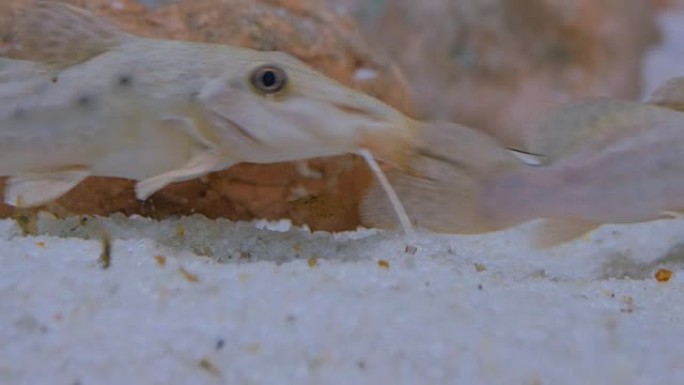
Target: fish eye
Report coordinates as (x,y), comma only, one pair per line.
(269,79)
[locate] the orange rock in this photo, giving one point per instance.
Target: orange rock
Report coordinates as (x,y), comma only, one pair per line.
(322,193)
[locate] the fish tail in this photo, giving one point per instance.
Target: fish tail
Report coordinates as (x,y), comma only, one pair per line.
(61,35)
(445,189)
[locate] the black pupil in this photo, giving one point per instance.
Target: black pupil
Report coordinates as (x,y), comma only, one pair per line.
(269,78)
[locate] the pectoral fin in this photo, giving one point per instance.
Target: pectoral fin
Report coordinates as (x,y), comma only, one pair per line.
(553,232)
(36,189)
(199,165)
(192,123)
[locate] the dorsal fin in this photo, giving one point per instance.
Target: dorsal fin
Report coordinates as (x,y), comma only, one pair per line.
(579,122)
(670,94)
(61,35)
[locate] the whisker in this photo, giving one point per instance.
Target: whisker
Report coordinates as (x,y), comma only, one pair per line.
(398,207)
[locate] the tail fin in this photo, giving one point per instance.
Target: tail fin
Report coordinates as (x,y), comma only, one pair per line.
(669,95)
(61,35)
(442,192)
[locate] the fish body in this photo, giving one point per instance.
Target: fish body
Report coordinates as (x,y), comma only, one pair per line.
(72,143)
(218,77)
(607,161)
(630,170)
(132,144)
(246,106)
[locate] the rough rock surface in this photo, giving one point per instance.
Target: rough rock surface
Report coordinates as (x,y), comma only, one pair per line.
(501,65)
(321,193)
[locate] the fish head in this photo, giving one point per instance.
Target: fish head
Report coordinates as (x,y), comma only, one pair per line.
(277,102)
(259,102)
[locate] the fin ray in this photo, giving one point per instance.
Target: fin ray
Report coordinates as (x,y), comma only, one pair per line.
(199,165)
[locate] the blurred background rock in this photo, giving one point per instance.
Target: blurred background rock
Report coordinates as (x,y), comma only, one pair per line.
(501,65)
(496,65)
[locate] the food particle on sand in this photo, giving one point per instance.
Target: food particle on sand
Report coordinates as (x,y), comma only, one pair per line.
(188,275)
(180,231)
(209,366)
(480,267)
(105,258)
(161,260)
(663,275)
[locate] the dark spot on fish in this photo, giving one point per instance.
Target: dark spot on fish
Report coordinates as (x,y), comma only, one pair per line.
(55,79)
(85,101)
(125,80)
(19,113)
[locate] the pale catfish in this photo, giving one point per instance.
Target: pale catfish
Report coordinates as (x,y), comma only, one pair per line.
(234,104)
(607,161)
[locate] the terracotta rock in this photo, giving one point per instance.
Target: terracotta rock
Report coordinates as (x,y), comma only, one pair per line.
(321,193)
(501,65)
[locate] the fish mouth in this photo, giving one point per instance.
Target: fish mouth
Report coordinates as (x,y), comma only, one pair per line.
(226,122)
